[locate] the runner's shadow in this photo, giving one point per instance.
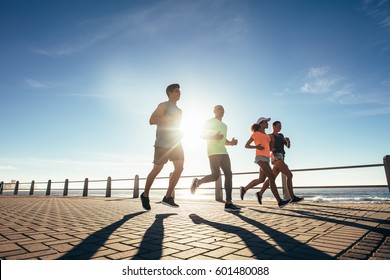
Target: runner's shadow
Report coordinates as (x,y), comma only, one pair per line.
(89,246)
(151,244)
(293,248)
(254,243)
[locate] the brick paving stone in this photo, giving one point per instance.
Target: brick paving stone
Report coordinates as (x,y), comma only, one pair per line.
(52,227)
(325,248)
(119,247)
(5,255)
(73,241)
(40,236)
(230,245)
(212,239)
(104,252)
(9,247)
(237,257)
(188,240)
(35,247)
(177,246)
(17,236)
(123,255)
(189,253)
(170,258)
(363,252)
(62,247)
(33,255)
(355,256)
(219,253)
(203,245)
(382,255)
(203,257)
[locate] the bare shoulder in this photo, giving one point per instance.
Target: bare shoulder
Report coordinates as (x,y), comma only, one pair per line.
(161,108)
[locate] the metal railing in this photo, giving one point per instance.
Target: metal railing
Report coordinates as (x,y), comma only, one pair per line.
(218,184)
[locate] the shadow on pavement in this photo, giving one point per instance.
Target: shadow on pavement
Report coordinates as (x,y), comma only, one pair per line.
(260,248)
(89,246)
(343,219)
(151,244)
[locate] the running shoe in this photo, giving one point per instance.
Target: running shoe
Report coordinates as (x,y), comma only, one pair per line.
(242,192)
(283,203)
(296,199)
(145,202)
(169,201)
(259,198)
(230,207)
(194,185)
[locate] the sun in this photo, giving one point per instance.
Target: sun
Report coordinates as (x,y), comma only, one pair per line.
(192,123)
(191,126)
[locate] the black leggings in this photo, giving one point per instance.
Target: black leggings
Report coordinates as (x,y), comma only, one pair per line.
(218,162)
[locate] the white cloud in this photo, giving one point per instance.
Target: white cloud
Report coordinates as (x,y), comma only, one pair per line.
(319,81)
(319,86)
(318,72)
(344,95)
(35,83)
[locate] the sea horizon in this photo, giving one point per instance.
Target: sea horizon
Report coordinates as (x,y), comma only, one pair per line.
(314,194)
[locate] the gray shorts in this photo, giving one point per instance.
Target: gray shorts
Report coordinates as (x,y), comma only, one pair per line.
(162,155)
(261,158)
(276,157)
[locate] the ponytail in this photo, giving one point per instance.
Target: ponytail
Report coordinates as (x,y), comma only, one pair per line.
(255,127)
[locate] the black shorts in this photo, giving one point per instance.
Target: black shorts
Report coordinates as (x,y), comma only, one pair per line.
(162,155)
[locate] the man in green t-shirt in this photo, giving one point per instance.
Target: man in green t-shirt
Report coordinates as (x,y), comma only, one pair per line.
(215,132)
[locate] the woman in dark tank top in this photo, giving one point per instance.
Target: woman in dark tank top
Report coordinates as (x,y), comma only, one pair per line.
(277,158)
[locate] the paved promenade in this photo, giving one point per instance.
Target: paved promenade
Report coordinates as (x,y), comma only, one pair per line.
(116,228)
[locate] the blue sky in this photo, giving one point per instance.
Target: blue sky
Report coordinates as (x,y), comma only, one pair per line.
(79,80)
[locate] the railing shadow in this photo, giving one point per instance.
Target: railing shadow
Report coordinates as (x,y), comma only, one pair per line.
(89,246)
(317,205)
(260,248)
(151,244)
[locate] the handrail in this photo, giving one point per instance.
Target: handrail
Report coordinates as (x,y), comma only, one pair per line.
(218,184)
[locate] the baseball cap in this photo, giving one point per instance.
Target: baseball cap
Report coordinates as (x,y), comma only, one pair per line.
(263,119)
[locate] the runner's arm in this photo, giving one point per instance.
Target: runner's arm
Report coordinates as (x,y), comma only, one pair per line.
(158,116)
(272,142)
(249,146)
(287,142)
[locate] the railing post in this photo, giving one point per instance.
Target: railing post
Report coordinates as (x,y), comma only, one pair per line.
(136,187)
(66,187)
(218,190)
(16,188)
(386,163)
(48,189)
(286,194)
(1,187)
(108,188)
(32,187)
(85,190)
